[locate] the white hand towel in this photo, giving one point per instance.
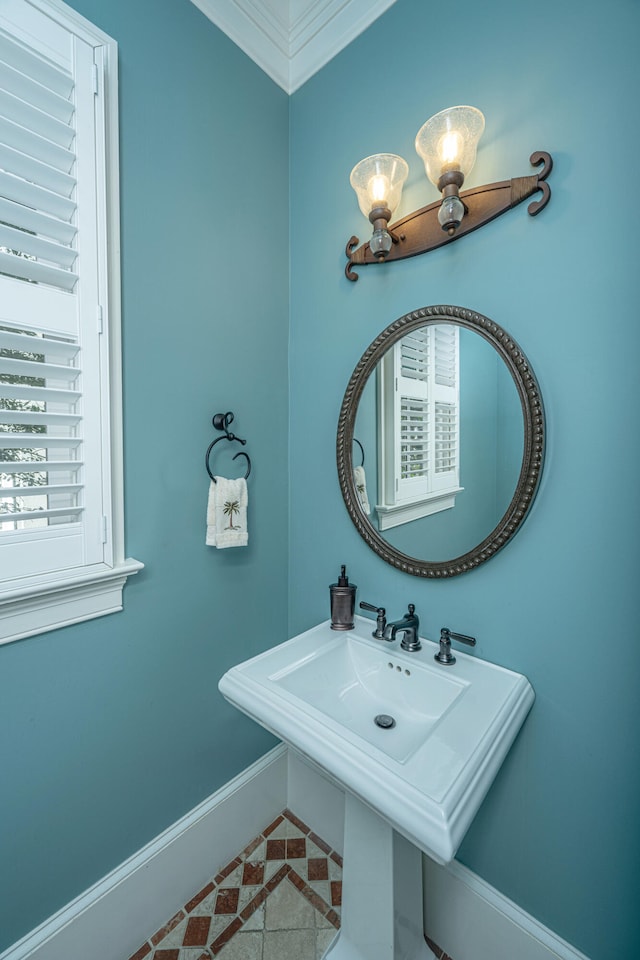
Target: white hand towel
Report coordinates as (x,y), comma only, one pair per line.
(211,516)
(361,488)
(227,513)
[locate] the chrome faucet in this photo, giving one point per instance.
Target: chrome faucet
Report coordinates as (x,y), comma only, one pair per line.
(408,627)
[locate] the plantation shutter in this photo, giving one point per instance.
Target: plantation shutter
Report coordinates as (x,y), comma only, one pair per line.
(419,425)
(414,356)
(51,445)
(39,426)
(414,438)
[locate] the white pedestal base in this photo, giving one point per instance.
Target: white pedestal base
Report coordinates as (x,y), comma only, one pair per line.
(381,892)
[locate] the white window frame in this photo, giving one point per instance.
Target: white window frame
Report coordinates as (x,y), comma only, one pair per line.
(401,501)
(34,604)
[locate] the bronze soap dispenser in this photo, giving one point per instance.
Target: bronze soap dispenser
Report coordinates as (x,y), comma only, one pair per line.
(343,602)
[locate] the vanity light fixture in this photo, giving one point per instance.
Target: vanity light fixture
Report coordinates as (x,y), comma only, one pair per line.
(447,144)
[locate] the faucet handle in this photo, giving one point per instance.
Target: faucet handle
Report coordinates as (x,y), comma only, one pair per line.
(381,622)
(444,655)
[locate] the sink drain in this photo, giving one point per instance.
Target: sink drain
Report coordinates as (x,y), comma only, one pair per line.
(385,721)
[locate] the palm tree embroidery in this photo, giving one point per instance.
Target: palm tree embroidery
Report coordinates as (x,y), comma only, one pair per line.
(231,507)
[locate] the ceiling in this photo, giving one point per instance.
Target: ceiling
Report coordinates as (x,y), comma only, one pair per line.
(292,39)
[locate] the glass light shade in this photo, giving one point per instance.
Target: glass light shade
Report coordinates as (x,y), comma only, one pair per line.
(448,141)
(378,181)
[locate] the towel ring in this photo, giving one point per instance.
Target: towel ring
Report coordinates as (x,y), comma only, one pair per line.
(361,450)
(221,421)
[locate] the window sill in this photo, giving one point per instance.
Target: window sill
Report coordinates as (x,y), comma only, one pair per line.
(393,516)
(48,603)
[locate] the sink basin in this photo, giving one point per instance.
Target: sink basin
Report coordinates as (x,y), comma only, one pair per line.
(351,681)
(428,769)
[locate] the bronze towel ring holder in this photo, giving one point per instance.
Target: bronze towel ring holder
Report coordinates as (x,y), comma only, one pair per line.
(221,421)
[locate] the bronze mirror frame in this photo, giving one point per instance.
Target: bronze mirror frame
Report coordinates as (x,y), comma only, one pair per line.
(533,448)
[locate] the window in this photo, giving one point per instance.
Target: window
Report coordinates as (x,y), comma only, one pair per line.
(61,524)
(419,424)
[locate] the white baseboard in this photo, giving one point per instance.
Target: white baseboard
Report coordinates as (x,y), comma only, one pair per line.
(464,915)
(471,920)
(126,907)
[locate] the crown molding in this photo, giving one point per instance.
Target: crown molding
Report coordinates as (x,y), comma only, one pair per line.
(290,47)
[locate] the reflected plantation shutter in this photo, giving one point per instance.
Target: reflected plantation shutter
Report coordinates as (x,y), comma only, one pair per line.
(419,425)
(52,365)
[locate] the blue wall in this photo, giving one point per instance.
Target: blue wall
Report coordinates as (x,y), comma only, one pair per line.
(558,832)
(111,730)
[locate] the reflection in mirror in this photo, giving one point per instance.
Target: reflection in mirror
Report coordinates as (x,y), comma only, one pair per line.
(447,428)
(441,421)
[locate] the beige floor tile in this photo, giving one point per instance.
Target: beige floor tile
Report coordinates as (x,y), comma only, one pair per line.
(219,923)
(280,831)
(234,879)
(256,920)
(313,850)
(271,867)
(246,896)
(322,923)
(286,909)
(259,853)
(243,946)
(286,829)
(289,945)
(208,905)
(322,888)
(175,937)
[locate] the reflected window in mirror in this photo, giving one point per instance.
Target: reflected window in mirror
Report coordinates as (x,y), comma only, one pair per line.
(419,426)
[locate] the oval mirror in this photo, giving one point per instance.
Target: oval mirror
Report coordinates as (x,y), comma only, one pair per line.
(440,441)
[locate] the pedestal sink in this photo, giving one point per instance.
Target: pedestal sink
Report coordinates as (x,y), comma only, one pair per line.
(416,745)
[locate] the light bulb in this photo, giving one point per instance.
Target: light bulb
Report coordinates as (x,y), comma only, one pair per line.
(378,189)
(450,148)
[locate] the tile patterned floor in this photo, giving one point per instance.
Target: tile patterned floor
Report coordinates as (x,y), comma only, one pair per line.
(279,899)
